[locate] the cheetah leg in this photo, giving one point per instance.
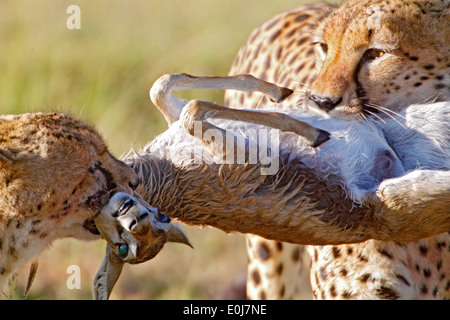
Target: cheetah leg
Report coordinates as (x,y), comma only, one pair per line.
(276,270)
(417,203)
(172,108)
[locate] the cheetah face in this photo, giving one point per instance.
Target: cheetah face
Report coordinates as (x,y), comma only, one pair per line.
(377,57)
(135,231)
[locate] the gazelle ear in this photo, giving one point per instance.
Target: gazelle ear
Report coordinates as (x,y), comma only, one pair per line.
(6,156)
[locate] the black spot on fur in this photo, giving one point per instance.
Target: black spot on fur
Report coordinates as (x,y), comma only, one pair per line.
(296,255)
(423,289)
(12,252)
(364,277)
(434,292)
(279,52)
(290,33)
(282,291)
(362,258)
(264,251)
(403,279)
(323,273)
(274,36)
(256,277)
(262,295)
(423,250)
(336,252)
(426,272)
(385,253)
(280,269)
(333,291)
(346,295)
(387,293)
(301,41)
(301,17)
(310,52)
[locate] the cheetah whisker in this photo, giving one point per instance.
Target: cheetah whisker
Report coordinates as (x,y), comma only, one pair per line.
(386,112)
(376,116)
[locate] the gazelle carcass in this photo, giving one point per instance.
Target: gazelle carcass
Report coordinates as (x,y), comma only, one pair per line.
(276,174)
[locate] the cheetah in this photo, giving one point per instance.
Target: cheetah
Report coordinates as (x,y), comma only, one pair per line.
(359,60)
(56,176)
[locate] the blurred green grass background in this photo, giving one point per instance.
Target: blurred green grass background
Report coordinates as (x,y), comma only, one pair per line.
(102,74)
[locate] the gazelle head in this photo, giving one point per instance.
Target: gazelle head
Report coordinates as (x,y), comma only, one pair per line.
(135,233)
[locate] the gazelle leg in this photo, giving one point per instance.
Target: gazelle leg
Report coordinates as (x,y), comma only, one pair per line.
(200,111)
(170,106)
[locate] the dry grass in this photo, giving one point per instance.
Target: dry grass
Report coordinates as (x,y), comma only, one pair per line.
(102,73)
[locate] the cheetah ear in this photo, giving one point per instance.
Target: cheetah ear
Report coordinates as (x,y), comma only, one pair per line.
(6,156)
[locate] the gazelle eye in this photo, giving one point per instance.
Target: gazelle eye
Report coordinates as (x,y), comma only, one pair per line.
(372,54)
(125,207)
(122,250)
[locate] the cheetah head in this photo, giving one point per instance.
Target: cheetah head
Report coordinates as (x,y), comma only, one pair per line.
(380,54)
(56,168)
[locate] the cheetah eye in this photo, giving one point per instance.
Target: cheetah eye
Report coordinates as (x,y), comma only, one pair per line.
(133,184)
(373,54)
(324,47)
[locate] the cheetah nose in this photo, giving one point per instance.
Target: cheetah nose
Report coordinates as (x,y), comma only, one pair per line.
(325,103)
